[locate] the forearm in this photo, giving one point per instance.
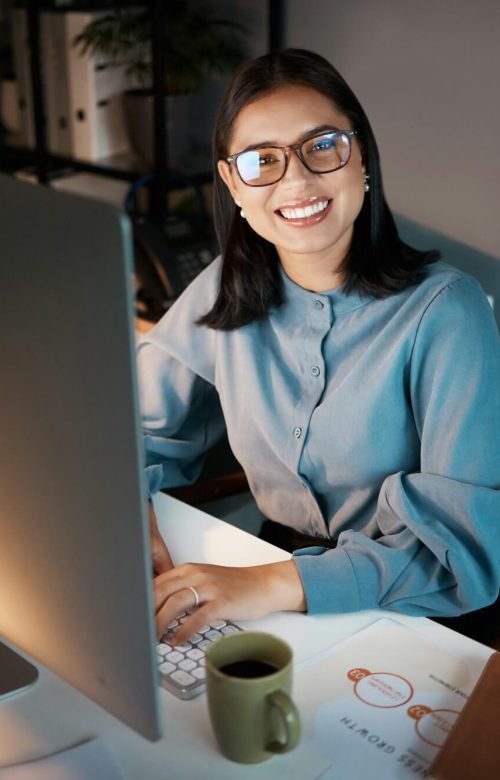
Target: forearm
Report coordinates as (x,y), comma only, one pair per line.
(284,586)
(234,592)
(159,553)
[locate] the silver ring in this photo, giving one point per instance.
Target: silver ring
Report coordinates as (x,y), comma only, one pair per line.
(195,594)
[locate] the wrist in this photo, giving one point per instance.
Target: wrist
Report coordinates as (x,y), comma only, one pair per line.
(284,586)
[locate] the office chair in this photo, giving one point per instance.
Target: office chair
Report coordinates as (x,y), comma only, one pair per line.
(206,490)
(221,477)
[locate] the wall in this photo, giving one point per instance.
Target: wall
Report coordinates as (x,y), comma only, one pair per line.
(427,75)
(252,16)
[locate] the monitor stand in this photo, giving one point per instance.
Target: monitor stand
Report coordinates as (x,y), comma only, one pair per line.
(16,673)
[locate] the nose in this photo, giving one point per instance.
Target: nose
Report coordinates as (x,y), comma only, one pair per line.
(296,170)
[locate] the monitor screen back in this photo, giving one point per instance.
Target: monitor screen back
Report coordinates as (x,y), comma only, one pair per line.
(75,584)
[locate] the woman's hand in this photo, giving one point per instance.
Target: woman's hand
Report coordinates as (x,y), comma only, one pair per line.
(160,555)
(227,592)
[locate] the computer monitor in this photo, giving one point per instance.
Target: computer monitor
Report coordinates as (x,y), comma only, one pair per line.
(75,567)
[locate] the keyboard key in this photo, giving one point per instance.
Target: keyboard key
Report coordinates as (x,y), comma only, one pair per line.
(229,630)
(204,629)
(219,624)
(213,635)
(166,667)
(195,654)
(195,639)
(187,665)
(183,647)
(174,657)
(203,645)
(162,649)
(199,673)
(182,678)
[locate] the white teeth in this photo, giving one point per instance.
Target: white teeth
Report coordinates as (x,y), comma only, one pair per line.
(307,211)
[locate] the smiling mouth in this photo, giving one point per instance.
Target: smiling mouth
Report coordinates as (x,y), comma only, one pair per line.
(305,213)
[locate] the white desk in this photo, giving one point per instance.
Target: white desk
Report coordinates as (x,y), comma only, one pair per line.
(52,715)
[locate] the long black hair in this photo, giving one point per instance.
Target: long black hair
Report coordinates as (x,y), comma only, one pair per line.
(378,262)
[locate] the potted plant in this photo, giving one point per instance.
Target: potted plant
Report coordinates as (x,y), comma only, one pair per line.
(197,44)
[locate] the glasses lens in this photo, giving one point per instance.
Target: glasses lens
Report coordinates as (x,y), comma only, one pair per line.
(326,152)
(261,166)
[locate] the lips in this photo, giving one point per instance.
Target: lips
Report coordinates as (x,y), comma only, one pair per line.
(304,212)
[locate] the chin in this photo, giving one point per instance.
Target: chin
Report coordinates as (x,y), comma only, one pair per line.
(309,246)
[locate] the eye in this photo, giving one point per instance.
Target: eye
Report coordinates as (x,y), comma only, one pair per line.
(324,144)
(257,164)
(267,159)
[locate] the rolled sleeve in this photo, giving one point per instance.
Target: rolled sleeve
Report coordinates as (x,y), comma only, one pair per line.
(436,549)
(328,579)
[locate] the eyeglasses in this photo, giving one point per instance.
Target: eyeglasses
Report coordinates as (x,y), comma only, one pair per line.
(322,153)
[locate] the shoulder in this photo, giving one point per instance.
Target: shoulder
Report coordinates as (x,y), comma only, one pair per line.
(440,276)
(448,288)
(198,297)
(447,291)
(454,312)
(178,334)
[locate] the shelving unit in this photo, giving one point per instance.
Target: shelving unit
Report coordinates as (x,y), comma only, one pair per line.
(12,156)
(43,161)
(163,180)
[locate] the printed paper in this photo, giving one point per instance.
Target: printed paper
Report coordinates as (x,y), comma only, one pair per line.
(382,705)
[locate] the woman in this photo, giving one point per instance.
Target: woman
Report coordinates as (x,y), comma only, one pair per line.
(357,377)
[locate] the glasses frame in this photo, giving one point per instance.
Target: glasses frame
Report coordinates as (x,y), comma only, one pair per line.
(297,148)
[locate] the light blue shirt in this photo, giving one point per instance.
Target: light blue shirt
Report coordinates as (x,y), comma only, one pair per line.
(373,421)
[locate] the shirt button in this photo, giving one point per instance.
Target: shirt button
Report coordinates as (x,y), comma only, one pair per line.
(318,304)
(315,371)
(297,432)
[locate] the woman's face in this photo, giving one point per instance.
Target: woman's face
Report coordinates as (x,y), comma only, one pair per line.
(285,117)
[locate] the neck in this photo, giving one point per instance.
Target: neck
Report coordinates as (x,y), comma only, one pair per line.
(319,271)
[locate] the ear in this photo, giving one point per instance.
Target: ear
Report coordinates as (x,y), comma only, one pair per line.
(226,176)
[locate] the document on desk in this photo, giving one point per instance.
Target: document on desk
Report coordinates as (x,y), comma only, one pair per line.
(382,704)
(88,761)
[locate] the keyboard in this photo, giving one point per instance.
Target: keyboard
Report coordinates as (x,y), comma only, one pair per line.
(182,668)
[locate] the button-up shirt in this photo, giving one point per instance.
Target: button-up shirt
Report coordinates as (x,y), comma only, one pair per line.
(372,421)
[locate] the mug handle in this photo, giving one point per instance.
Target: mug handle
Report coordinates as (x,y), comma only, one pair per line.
(291,721)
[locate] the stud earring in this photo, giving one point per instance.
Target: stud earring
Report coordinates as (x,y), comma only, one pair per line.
(367,183)
(242,213)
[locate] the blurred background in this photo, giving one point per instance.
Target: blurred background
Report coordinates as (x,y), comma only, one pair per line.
(116,100)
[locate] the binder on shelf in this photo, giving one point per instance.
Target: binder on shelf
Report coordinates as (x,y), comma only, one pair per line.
(97,125)
(22,66)
(82,101)
(55,81)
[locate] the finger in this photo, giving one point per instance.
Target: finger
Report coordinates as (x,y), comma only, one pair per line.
(162,562)
(178,603)
(202,616)
(168,583)
(165,586)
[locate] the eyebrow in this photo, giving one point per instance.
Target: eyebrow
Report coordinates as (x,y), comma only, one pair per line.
(303,137)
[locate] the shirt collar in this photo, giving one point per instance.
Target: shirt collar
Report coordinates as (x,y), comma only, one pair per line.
(341,302)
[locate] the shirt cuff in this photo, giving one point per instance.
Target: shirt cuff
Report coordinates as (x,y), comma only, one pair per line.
(328,580)
(154,479)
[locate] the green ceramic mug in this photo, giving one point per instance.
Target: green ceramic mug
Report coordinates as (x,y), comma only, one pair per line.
(249,682)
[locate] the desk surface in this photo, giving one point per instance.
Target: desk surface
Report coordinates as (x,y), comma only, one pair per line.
(52,715)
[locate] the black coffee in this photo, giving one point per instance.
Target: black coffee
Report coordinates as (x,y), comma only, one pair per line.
(248,669)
